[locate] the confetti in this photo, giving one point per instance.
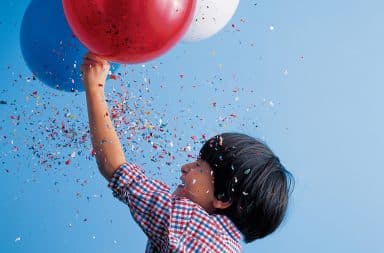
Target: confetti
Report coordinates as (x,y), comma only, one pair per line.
(154,133)
(113,77)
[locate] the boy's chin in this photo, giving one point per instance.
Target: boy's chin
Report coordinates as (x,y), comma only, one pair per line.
(179,191)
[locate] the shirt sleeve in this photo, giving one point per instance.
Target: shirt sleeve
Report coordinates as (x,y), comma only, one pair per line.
(152,205)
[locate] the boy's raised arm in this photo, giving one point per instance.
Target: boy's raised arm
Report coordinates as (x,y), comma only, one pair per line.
(105,142)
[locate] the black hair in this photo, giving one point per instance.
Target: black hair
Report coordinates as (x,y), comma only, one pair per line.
(248,174)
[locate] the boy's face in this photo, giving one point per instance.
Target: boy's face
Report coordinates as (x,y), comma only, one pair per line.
(198,184)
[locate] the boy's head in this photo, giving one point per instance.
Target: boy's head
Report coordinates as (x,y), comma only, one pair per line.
(250,185)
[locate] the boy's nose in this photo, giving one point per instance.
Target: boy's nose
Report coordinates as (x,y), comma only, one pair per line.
(185,168)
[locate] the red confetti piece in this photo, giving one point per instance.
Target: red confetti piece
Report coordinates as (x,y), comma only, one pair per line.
(113,77)
(34,94)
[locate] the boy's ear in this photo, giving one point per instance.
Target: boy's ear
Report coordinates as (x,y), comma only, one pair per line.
(218,204)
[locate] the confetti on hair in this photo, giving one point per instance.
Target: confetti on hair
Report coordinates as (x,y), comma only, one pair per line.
(220,140)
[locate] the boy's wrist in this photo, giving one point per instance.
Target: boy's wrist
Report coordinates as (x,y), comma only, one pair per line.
(94,87)
(94,91)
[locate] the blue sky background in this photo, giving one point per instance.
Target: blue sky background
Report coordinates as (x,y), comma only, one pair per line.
(304,76)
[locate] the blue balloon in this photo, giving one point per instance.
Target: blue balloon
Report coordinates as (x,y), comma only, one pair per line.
(49,48)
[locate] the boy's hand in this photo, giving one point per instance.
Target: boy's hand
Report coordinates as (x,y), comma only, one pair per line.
(95,70)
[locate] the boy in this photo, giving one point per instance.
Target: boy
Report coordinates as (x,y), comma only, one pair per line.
(236,186)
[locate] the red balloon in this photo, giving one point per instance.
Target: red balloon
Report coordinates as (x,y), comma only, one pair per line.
(129,31)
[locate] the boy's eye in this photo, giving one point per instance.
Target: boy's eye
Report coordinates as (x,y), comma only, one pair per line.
(197,164)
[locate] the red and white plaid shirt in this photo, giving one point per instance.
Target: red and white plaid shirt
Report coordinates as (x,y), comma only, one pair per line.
(172,223)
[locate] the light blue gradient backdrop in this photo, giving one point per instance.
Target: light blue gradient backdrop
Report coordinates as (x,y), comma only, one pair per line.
(305,76)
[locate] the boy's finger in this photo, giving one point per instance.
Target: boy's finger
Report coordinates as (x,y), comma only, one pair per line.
(91,63)
(96,63)
(87,64)
(94,57)
(99,58)
(89,59)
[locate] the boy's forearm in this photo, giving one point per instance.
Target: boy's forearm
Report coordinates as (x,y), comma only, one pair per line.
(105,142)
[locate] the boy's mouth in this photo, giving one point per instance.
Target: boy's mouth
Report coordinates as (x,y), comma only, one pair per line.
(182,184)
(180,190)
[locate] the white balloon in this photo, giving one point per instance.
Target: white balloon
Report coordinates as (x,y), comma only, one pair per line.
(209,18)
